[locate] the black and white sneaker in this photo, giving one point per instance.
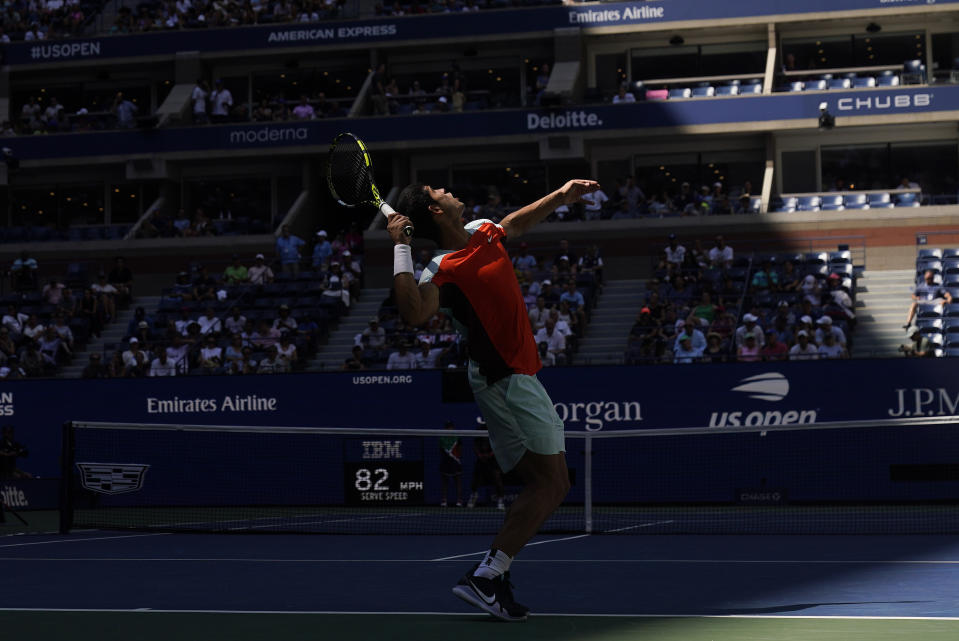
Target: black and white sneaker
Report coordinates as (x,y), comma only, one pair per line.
(495,596)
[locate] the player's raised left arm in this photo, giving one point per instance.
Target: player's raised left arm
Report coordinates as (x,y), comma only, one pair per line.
(522,220)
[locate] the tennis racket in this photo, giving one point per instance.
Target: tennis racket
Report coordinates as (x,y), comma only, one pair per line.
(349,175)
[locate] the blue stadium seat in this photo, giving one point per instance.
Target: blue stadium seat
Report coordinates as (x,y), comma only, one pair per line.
(929,252)
(841,257)
(863,83)
(929,310)
(840,83)
(880,200)
(704,92)
(950,325)
(851,75)
(808,203)
(815,258)
(950,252)
(755,202)
(930,263)
(815,85)
(856,201)
(951,310)
(826,76)
(888,81)
(832,203)
(752,87)
(950,351)
(794,86)
(681,92)
(908,199)
(929,325)
(845,270)
(950,266)
(913,72)
(727,90)
(788,204)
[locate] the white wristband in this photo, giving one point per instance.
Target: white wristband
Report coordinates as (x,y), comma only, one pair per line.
(402,259)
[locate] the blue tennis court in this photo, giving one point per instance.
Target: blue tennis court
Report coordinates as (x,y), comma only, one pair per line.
(369,587)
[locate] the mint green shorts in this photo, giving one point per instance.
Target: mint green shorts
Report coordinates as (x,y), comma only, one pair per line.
(519,415)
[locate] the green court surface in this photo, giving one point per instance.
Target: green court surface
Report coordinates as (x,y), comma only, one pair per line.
(165,626)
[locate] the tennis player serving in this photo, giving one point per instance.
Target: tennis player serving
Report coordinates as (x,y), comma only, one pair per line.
(471,278)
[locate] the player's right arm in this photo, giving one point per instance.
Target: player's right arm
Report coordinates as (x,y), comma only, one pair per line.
(416,303)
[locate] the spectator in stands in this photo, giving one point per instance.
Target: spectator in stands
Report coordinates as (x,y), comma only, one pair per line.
(221,101)
(428,357)
(690,327)
(122,279)
(235,273)
(23,272)
(574,298)
(14,321)
(284,322)
(538,314)
(765,279)
(198,98)
(401,359)
(928,291)
(211,356)
(266,334)
(355,360)
(273,364)
(63,331)
(181,222)
(827,328)
(322,250)
(803,349)
(716,351)
(94,367)
(53,292)
(789,279)
(721,254)
(594,204)
(811,290)
(51,348)
(107,294)
(134,359)
(542,80)
(555,341)
(162,365)
(675,253)
(209,323)
(53,115)
(774,349)
(525,261)
(33,329)
(288,250)
(748,351)
(684,351)
(705,308)
(260,273)
(839,302)
(623,96)
(304,110)
(830,347)
(918,345)
(749,326)
(125,110)
(905,183)
(178,353)
(235,321)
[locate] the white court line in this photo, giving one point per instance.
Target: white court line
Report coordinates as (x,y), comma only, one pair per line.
(474,614)
(619,561)
(460,556)
(98,538)
(633,527)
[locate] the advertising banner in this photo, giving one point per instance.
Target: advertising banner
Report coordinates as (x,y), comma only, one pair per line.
(397,29)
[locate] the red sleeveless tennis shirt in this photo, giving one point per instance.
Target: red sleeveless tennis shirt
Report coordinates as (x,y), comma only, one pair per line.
(478,288)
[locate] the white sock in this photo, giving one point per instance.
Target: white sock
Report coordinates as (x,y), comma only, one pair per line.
(495,563)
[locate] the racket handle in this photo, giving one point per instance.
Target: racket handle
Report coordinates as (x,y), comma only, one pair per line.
(389,211)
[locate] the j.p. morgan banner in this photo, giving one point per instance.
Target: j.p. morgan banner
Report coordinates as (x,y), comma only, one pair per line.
(423,28)
(595,399)
(939,102)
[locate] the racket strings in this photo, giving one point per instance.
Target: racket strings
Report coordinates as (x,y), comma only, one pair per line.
(350,176)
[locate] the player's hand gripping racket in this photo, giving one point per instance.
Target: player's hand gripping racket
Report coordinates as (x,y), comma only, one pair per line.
(349,174)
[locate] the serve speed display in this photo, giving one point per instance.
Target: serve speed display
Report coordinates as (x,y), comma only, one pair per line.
(383,482)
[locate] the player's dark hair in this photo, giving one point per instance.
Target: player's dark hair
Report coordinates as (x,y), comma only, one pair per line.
(414,202)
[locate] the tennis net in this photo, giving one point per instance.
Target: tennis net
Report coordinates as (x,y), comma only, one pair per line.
(896,476)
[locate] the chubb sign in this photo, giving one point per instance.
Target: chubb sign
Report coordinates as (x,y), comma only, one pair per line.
(771,387)
(884,102)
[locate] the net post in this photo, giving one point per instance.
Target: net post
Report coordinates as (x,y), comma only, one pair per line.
(588,484)
(66,476)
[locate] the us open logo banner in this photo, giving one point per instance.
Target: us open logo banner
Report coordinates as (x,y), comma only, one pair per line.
(112,478)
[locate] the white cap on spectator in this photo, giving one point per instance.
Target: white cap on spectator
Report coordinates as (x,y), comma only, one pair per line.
(547,282)
(717,184)
(134,340)
(680,323)
(143,324)
(784,303)
(806,319)
(824,320)
(322,232)
(802,332)
(260,256)
(346,252)
(749,318)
